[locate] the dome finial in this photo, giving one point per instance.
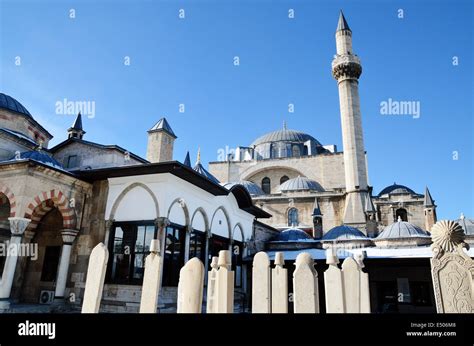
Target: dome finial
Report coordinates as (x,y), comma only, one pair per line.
(399,219)
(284,125)
(198,156)
(462,217)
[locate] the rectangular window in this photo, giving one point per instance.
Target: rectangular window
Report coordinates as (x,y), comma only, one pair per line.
(129,246)
(72,161)
(50,263)
(174,254)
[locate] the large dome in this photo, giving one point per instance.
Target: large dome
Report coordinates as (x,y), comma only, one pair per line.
(9,103)
(285,135)
(344,232)
(286,143)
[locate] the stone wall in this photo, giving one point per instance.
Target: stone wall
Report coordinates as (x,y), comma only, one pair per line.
(25,125)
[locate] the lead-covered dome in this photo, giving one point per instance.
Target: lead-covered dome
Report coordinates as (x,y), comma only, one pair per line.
(9,103)
(300,184)
(293,234)
(397,189)
(38,156)
(286,143)
(252,188)
(344,232)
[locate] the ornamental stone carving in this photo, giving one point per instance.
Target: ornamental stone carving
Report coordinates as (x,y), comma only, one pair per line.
(452,269)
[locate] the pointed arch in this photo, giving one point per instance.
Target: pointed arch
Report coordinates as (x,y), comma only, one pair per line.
(184,206)
(127,190)
(10,196)
(226,214)
(201,211)
(45,202)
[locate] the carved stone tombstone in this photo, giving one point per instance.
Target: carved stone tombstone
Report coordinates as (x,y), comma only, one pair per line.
(211,302)
(151,279)
(225,284)
(452,269)
(279,286)
(334,289)
(305,285)
(261,284)
(190,287)
(95,279)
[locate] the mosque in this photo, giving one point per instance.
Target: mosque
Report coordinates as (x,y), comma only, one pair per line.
(286,191)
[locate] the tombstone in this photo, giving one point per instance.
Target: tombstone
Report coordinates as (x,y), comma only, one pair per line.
(364,286)
(224,284)
(261,284)
(305,285)
(151,279)
(190,287)
(211,306)
(279,289)
(452,269)
(333,284)
(351,285)
(95,279)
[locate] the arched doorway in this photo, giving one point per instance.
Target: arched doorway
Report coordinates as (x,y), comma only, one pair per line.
(40,273)
(4,225)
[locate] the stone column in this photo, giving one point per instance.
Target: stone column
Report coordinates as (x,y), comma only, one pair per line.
(161,223)
(17,228)
(68,236)
(108,228)
(187,240)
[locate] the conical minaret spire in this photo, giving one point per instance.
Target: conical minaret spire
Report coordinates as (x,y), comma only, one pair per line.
(76,130)
(187,160)
(346,69)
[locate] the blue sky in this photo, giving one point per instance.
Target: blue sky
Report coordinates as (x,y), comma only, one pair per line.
(190,61)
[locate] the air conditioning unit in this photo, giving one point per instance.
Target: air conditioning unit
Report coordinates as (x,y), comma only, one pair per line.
(46,297)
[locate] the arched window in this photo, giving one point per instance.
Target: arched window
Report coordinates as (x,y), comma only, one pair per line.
(402,214)
(296,151)
(266,185)
(293,217)
(283,179)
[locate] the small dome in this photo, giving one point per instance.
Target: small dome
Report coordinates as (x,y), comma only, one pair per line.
(9,103)
(39,156)
(252,188)
(402,229)
(397,189)
(293,234)
(301,184)
(344,232)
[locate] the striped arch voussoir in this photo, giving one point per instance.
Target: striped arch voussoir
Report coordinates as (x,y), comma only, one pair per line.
(46,201)
(7,195)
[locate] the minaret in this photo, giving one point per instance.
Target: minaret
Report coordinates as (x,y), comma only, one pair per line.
(346,69)
(76,131)
(430,210)
(160,142)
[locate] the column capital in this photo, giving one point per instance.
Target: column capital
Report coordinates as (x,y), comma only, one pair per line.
(68,236)
(162,222)
(109,223)
(18,225)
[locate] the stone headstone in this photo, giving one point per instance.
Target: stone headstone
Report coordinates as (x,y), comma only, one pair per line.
(452,269)
(95,279)
(351,284)
(190,287)
(305,285)
(211,302)
(261,284)
(279,289)
(151,283)
(225,284)
(333,285)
